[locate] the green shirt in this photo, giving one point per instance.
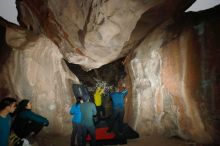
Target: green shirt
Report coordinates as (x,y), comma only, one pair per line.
(88,110)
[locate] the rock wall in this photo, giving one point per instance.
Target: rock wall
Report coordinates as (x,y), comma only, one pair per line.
(36,70)
(172,62)
(174,78)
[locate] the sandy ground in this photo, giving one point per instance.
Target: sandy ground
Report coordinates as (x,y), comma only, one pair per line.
(44,140)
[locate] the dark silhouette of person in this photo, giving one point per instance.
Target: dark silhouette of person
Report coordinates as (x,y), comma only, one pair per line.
(27,123)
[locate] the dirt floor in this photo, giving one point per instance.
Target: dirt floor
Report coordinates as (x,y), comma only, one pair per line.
(44,140)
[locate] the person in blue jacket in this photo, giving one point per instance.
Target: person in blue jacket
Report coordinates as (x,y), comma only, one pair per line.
(7,105)
(116,121)
(27,123)
(76,120)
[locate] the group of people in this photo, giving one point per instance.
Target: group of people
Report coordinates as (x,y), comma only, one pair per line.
(18,121)
(84,111)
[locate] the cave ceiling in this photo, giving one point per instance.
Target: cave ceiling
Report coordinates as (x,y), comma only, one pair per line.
(92,33)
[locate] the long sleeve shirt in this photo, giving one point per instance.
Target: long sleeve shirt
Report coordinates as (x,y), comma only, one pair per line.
(118,98)
(29,115)
(88,110)
(75,111)
(98,96)
(24,118)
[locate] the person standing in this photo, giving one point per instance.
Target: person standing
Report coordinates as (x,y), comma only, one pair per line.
(7,105)
(27,123)
(88,110)
(98,102)
(118,110)
(76,122)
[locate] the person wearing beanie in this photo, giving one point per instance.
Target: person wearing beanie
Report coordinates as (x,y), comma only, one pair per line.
(27,123)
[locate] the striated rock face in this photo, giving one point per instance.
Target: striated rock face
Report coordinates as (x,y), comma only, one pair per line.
(171,60)
(92,32)
(174,77)
(35,70)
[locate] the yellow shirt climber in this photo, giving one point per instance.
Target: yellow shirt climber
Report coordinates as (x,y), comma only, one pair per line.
(98,96)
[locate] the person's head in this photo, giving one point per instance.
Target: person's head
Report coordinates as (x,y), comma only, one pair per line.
(8,104)
(115,89)
(24,104)
(79,100)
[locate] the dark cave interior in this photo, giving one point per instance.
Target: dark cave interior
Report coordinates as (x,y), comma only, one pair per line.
(108,74)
